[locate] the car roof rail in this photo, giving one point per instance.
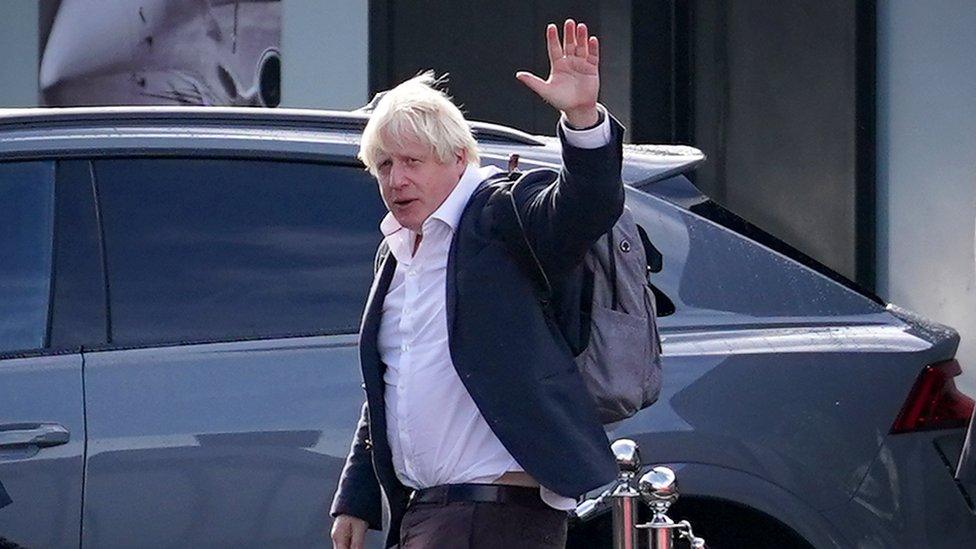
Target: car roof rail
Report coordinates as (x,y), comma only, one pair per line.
(20,118)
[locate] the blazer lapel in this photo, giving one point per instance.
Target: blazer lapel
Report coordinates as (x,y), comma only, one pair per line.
(450,286)
(369,354)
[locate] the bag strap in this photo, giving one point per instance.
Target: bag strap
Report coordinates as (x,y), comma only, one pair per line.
(612,267)
(546,285)
(513,175)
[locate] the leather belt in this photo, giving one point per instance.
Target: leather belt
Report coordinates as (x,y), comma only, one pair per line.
(484,493)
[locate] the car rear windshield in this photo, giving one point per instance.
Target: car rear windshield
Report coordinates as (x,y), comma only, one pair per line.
(716,213)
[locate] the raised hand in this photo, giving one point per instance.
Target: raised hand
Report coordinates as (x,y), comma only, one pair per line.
(574,78)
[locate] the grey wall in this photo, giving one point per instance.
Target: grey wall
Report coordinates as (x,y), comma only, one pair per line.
(927,164)
(324,54)
(18,64)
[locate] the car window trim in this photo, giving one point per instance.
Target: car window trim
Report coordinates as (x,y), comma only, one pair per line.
(38,353)
(53,240)
(78,272)
(334,159)
(344,331)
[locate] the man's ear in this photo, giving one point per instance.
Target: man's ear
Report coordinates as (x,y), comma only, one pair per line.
(461,161)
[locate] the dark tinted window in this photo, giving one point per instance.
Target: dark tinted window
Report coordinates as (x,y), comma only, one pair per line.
(27,199)
(715,212)
(202,250)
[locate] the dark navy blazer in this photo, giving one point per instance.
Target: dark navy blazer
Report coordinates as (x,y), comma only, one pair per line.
(510,349)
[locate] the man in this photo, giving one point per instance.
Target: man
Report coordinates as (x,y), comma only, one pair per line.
(477,429)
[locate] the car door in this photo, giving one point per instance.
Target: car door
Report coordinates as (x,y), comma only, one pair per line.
(42,429)
(222,406)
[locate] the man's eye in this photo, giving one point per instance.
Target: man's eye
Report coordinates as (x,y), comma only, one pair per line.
(413,160)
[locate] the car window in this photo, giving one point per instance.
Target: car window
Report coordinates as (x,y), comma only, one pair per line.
(210,249)
(27,196)
(716,213)
(711,274)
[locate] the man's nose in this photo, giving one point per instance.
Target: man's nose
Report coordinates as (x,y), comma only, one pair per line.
(398,178)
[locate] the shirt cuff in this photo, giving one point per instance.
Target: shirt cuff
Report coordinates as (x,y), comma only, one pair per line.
(592,138)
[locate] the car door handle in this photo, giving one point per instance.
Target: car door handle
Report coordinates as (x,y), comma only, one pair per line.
(36,434)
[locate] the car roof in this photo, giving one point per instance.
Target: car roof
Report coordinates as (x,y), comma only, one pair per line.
(56,130)
(347,120)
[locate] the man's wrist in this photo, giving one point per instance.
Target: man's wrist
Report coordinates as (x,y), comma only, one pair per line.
(583,119)
(593,137)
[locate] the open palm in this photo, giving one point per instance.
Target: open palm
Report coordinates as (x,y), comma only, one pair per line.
(574,79)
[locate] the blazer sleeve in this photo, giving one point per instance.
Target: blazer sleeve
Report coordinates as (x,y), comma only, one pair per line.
(563,218)
(358,493)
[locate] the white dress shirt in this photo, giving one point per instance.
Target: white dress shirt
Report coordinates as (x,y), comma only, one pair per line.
(436,433)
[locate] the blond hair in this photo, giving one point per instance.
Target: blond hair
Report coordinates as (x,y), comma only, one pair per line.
(416,109)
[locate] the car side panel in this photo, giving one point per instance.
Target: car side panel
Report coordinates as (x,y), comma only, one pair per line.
(909,497)
(769,368)
(226,444)
(44,484)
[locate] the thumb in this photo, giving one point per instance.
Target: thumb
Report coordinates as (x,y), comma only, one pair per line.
(533,82)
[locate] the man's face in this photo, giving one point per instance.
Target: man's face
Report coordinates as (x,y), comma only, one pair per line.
(414,183)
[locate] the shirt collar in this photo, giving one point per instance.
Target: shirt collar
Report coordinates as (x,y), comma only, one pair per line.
(453,206)
(449,212)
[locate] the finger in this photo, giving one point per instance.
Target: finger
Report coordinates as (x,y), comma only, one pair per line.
(569,37)
(594,55)
(533,82)
(340,536)
(552,43)
(358,538)
(582,37)
(340,540)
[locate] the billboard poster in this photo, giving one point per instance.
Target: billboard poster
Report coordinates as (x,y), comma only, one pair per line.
(160,52)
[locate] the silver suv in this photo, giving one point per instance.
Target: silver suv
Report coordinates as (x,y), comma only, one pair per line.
(180,291)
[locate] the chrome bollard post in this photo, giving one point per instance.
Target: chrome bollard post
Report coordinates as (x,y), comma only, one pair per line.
(659,489)
(625,496)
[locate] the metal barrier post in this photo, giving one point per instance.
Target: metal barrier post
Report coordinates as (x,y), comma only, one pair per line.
(658,488)
(625,496)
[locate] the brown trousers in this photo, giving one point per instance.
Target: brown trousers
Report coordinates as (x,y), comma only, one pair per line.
(479,525)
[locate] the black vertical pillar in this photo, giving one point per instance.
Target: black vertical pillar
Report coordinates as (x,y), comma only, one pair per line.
(865,137)
(662,100)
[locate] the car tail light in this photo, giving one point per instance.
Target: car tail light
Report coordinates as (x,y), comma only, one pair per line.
(935,402)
